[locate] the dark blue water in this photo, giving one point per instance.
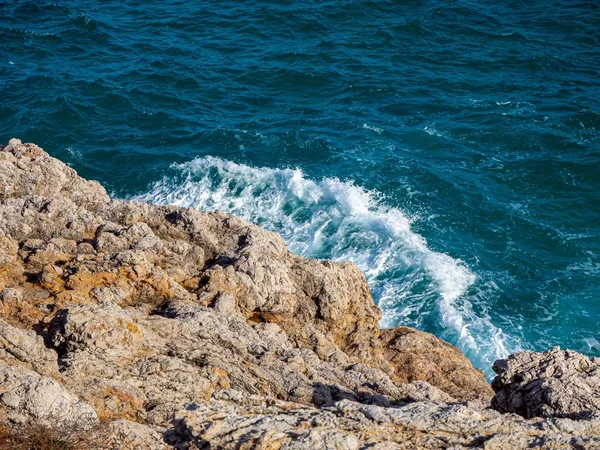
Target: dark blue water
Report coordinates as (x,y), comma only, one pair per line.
(450,149)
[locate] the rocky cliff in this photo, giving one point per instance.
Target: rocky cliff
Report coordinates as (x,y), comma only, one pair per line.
(186,329)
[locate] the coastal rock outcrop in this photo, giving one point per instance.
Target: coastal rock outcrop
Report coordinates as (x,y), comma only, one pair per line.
(186,329)
(557,383)
(233,420)
(416,355)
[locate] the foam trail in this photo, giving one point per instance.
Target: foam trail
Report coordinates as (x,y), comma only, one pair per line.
(341,221)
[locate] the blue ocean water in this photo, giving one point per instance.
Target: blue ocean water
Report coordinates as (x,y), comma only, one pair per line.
(450,149)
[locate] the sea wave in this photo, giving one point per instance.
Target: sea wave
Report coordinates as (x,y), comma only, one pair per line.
(339,220)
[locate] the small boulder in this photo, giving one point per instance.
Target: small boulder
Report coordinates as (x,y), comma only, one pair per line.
(416,355)
(27,397)
(555,383)
(26,348)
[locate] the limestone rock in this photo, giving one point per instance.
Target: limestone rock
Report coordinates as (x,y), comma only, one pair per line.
(105,327)
(127,435)
(556,383)
(26,397)
(232,420)
(416,355)
(77,242)
(27,170)
(25,348)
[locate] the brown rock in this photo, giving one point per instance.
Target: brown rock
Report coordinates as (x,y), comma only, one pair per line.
(416,355)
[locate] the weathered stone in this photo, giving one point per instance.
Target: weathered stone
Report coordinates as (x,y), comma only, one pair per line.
(233,420)
(10,295)
(31,171)
(24,348)
(26,397)
(105,327)
(127,435)
(556,383)
(416,355)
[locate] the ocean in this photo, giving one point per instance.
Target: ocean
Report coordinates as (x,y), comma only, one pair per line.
(450,149)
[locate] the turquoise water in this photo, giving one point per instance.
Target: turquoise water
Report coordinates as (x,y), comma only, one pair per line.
(450,149)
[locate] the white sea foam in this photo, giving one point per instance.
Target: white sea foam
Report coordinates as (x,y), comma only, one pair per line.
(74,153)
(372,128)
(339,220)
(592,344)
(432,131)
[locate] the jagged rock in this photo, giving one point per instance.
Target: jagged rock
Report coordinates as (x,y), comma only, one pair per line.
(233,420)
(164,362)
(416,355)
(127,435)
(27,170)
(138,248)
(25,348)
(27,397)
(556,383)
(106,327)
(10,295)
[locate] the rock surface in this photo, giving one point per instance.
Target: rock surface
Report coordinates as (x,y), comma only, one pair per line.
(552,384)
(26,396)
(187,329)
(416,355)
(233,420)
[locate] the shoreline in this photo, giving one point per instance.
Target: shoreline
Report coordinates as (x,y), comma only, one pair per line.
(175,326)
